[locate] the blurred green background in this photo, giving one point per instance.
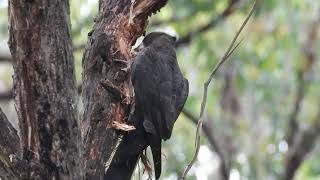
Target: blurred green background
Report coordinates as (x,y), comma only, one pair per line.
(251,99)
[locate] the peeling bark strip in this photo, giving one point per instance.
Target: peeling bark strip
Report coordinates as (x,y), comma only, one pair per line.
(44,86)
(109,44)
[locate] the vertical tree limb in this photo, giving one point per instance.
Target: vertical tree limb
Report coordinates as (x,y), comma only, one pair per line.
(107,49)
(44,87)
(303,79)
(9,139)
(9,146)
(301,143)
(302,146)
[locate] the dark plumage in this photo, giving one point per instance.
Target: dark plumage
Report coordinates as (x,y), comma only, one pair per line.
(160,94)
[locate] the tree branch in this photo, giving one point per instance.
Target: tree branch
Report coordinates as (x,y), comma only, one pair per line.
(186,39)
(6,95)
(174,19)
(211,137)
(300,146)
(9,139)
(303,79)
(9,147)
(5,57)
(227,54)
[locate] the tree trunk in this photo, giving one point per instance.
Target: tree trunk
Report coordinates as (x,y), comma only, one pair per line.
(44,87)
(107,93)
(9,146)
(45,93)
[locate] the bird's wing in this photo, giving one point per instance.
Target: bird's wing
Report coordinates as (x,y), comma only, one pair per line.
(180,92)
(152,78)
(181,95)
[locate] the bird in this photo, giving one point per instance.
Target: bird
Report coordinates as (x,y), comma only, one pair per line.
(160,92)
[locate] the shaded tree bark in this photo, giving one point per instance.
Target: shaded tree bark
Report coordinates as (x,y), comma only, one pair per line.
(9,146)
(44,88)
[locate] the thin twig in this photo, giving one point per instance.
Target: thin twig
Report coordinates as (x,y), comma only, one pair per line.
(206,85)
(211,137)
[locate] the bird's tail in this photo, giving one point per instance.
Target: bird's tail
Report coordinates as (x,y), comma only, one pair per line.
(155,145)
(122,170)
(126,156)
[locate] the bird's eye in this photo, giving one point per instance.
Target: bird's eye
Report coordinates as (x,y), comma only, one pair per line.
(174,39)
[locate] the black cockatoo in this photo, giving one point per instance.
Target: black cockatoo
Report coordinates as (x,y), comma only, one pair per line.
(160,94)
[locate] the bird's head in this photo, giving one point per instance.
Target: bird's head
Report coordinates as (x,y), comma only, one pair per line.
(157,39)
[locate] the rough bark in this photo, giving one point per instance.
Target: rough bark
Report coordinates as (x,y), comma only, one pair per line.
(9,146)
(44,88)
(109,44)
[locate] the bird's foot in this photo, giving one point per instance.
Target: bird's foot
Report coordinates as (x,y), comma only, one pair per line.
(122,126)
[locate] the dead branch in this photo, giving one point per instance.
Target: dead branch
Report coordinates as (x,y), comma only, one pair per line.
(227,54)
